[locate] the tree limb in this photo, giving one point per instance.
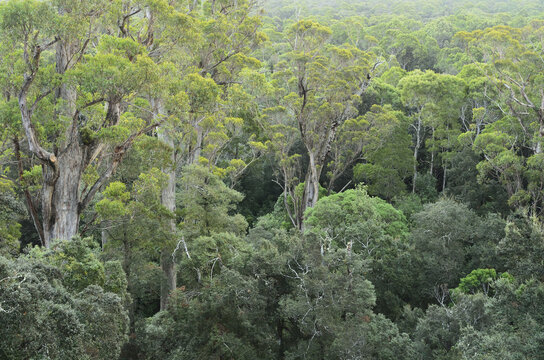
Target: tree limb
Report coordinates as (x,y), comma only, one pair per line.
(118,155)
(26,115)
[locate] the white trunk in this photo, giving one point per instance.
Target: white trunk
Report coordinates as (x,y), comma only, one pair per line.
(311,188)
(416,151)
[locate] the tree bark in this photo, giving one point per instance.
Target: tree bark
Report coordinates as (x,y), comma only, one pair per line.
(61,169)
(444,178)
(432,155)
(168,267)
(60,196)
(127,261)
(317,154)
(311,187)
(168,199)
(416,151)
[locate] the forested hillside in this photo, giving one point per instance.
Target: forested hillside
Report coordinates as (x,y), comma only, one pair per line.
(279,179)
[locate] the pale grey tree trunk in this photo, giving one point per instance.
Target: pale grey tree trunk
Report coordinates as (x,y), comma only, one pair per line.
(538,147)
(104,237)
(60,195)
(311,189)
(416,152)
(168,199)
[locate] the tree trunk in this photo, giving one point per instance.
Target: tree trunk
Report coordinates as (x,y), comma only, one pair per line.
(60,196)
(63,166)
(127,261)
(311,188)
(168,267)
(538,147)
(168,199)
(104,237)
(416,151)
(432,156)
(444,178)
(317,155)
(279,333)
(198,144)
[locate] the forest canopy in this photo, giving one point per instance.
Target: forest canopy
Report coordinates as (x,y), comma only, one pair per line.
(280,179)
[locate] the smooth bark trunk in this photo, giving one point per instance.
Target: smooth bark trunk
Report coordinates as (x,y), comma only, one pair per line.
(416,152)
(538,147)
(311,184)
(168,199)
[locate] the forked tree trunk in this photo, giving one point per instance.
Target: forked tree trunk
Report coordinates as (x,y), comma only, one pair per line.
(311,189)
(62,167)
(60,195)
(317,155)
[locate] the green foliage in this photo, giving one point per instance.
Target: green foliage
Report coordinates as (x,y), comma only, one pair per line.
(377,232)
(506,325)
(439,331)
(10,229)
(331,307)
(520,246)
(222,320)
(43,319)
(105,321)
(450,241)
(343,217)
(115,279)
(255,155)
(386,148)
(76,260)
(113,205)
(477,280)
(426,188)
(31,295)
(207,203)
